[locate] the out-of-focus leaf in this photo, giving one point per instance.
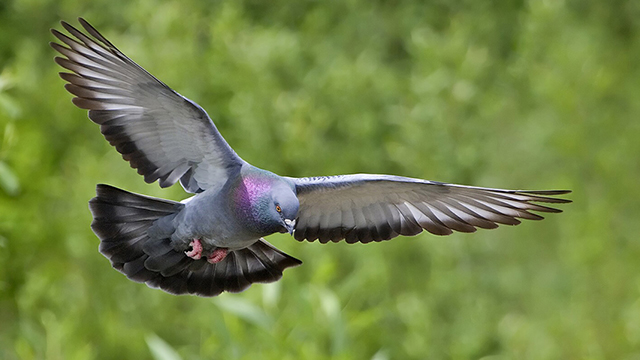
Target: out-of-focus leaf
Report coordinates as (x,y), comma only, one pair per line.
(8,180)
(7,103)
(9,106)
(271,294)
(160,350)
(380,355)
(244,310)
(330,304)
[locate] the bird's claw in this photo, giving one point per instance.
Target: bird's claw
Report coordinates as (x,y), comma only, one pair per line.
(196,250)
(217,255)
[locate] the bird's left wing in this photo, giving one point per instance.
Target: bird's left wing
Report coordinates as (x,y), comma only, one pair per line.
(365,208)
(162,134)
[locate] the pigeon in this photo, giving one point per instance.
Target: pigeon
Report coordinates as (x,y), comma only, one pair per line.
(213,241)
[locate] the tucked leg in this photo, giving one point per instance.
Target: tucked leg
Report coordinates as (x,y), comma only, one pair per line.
(196,250)
(217,255)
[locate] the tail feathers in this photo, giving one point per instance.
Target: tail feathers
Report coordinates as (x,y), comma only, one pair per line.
(121,221)
(176,273)
(258,263)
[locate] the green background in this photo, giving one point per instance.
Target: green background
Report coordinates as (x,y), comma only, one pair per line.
(514,94)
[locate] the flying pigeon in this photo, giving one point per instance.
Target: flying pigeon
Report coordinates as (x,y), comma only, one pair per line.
(213,241)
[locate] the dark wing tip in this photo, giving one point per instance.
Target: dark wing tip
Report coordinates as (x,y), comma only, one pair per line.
(85,24)
(96,34)
(56,46)
(70,28)
(60,36)
(547,195)
(61,61)
(545,192)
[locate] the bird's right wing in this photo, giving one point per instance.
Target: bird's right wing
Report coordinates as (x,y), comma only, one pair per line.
(364,208)
(162,134)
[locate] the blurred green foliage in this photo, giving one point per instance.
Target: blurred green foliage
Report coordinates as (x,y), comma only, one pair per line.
(515,94)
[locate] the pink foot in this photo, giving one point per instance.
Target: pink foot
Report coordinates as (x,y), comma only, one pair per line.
(217,255)
(196,250)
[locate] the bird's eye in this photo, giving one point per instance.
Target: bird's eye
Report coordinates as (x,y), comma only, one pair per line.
(278,208)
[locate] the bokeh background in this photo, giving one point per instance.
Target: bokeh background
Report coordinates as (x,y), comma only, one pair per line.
(514,94)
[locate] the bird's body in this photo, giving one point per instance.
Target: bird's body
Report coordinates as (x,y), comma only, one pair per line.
(213,241)
(229,217)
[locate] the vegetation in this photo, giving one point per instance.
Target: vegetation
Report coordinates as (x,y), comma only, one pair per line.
(514,94)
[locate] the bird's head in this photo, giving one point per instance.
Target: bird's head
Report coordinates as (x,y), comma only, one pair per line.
(267,204)
(285,203)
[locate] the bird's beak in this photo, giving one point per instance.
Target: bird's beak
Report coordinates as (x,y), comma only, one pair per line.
(289,225)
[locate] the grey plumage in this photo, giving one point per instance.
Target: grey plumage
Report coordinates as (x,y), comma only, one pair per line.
(213,242)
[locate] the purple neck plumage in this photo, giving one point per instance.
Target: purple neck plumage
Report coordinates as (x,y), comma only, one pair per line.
(250,197)
(250,190)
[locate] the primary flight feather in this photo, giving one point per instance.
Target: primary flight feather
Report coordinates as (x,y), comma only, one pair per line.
(214,241)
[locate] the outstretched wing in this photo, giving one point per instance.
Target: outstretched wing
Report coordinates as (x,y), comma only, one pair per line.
(365,208)
(162,134)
